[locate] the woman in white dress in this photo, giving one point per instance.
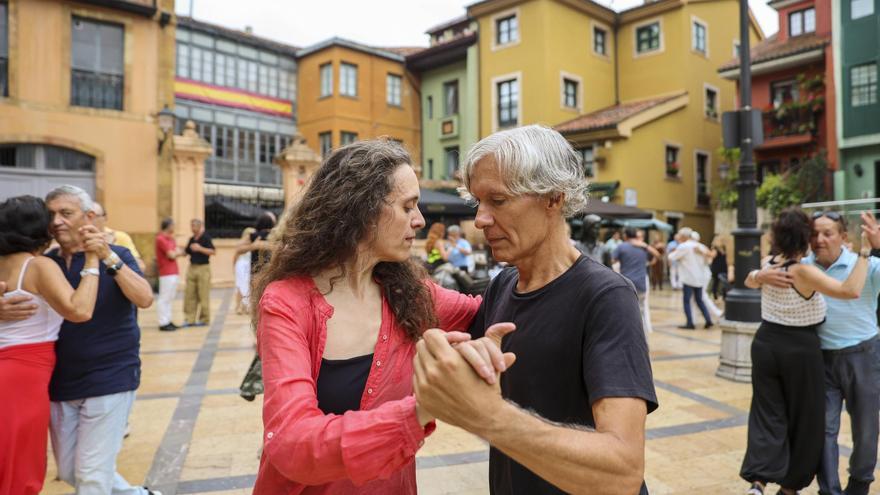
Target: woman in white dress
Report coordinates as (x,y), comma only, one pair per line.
(243,273)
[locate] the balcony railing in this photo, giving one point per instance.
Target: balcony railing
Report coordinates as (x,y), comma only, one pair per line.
(790,120)
(96,90)
(4,79)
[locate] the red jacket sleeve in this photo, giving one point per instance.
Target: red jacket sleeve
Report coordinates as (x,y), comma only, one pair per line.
(454,309)
(303,443)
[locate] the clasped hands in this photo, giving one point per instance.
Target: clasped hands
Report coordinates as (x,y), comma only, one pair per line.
(457,379)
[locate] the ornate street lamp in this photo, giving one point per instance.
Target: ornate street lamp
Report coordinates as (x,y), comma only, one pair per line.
(166,120)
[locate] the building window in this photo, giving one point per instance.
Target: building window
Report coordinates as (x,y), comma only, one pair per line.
(430,168)
(588,159)
(392,89)
(508,103)
(4,51)
(252,78)
(863,85)
(97,66)
(569,93)
(451,162)
(802,22)
(711,103)
(735,49)
(326,79)
(600,37)
(783,92)
(672,166)
(699,43)
(450,98)
(183,60)
(348,79)
(430,106)
(506,30)
(325,141)
(702,183)
(347,138)
(45,157)
(648,38)
(857,8)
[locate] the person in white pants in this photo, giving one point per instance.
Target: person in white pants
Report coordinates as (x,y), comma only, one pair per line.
(167,253)
(707,277)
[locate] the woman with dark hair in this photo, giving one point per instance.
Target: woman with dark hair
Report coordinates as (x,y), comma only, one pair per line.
(340,308)
(27,347)
(787,415)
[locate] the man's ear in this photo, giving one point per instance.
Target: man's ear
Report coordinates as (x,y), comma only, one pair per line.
(555,201)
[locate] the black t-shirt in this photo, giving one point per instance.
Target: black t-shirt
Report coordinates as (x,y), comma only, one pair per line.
(577,339)
(341,383)
(199,258)
(259,257)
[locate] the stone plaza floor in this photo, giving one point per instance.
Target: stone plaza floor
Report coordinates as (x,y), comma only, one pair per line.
(192,433)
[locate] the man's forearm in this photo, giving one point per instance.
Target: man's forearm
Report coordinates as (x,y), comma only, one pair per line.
(135,287)
(572,458)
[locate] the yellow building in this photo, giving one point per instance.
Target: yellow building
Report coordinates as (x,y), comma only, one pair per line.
(636,92)
(86,80)
(348,92)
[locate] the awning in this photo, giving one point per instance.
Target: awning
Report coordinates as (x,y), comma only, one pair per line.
(600,189)
(433,202)
(614,210)
(638,223)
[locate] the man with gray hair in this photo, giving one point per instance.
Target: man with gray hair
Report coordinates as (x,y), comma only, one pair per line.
(98,364)
(691,257)
(460,248)
(578,395)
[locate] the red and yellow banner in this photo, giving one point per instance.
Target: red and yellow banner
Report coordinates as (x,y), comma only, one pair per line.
(228,97)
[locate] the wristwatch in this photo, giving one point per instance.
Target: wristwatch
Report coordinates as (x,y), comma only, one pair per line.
(114,269)
(89,271)
(111,260)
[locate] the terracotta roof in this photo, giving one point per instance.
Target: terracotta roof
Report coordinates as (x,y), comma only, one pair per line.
(774,48)
(611,116)
(403,50)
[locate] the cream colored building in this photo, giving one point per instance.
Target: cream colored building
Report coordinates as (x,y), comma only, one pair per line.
(81,84)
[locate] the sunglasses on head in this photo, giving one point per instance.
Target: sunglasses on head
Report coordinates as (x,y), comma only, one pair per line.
(833,215)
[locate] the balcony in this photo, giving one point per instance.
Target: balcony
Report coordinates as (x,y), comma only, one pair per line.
(95,90)
(791,119)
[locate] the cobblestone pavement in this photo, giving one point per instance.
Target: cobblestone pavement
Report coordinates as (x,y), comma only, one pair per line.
(192,433)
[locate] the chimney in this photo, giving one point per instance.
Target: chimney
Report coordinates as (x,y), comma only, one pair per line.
(249,30)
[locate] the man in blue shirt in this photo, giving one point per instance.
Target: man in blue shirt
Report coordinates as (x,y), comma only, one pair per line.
(98,365)
(851,350)
(633,255)
(460,248)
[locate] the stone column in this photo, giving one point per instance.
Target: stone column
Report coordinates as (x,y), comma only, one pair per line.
(298,163)
(187,189)
(735,362)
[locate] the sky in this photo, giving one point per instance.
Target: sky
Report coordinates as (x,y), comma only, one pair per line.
(374,22)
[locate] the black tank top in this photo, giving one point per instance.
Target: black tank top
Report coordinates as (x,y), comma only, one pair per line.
(341,383)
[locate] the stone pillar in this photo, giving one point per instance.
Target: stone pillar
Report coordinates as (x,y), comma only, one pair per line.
(187,189)
(735,362)
(298,163)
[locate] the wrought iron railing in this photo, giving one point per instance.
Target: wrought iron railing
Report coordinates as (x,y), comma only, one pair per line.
(229,212)
(96,90)
(790,120)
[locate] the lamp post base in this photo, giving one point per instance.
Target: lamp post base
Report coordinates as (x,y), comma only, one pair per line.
(735,361)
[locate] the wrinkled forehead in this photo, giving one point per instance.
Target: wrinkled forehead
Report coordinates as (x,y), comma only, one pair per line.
(825,225)
(64,202)
(489,177)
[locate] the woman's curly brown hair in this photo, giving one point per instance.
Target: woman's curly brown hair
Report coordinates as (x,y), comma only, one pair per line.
(435,233)
(791,233)
(341,208)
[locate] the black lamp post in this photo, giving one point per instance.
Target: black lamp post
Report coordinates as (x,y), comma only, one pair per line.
(744,304)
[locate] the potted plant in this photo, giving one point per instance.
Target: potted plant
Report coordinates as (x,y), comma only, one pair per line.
(672,169)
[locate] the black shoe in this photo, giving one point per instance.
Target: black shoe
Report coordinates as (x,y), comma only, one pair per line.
(167,328)
(172,325)
(687,327)
(709,325)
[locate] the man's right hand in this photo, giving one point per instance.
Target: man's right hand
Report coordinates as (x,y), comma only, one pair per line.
(775,276)
(15,308)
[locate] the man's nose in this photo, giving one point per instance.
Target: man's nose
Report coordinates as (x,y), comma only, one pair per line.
(482,219)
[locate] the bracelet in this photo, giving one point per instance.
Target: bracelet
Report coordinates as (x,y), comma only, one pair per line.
(864,254)
(89,271)
(754,276)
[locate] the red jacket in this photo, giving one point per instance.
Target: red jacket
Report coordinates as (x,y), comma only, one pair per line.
(370,451)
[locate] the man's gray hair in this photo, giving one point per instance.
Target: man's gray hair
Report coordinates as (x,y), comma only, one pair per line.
(533,159)
(453,229)
(85,201)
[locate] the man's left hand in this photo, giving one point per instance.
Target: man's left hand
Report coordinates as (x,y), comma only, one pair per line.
(95,241)
(448,388)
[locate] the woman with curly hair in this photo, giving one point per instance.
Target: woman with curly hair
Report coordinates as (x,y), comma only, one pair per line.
(339,308)
(435,246)
(787,415)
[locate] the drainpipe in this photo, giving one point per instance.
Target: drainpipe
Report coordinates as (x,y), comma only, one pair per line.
(616,68)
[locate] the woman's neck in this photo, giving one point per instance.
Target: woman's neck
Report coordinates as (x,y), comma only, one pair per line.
(357,278)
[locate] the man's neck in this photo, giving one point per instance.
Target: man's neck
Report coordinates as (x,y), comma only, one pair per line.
(552,259)
(827,264)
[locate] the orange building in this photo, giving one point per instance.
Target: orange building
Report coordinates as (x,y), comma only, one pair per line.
(348,92)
